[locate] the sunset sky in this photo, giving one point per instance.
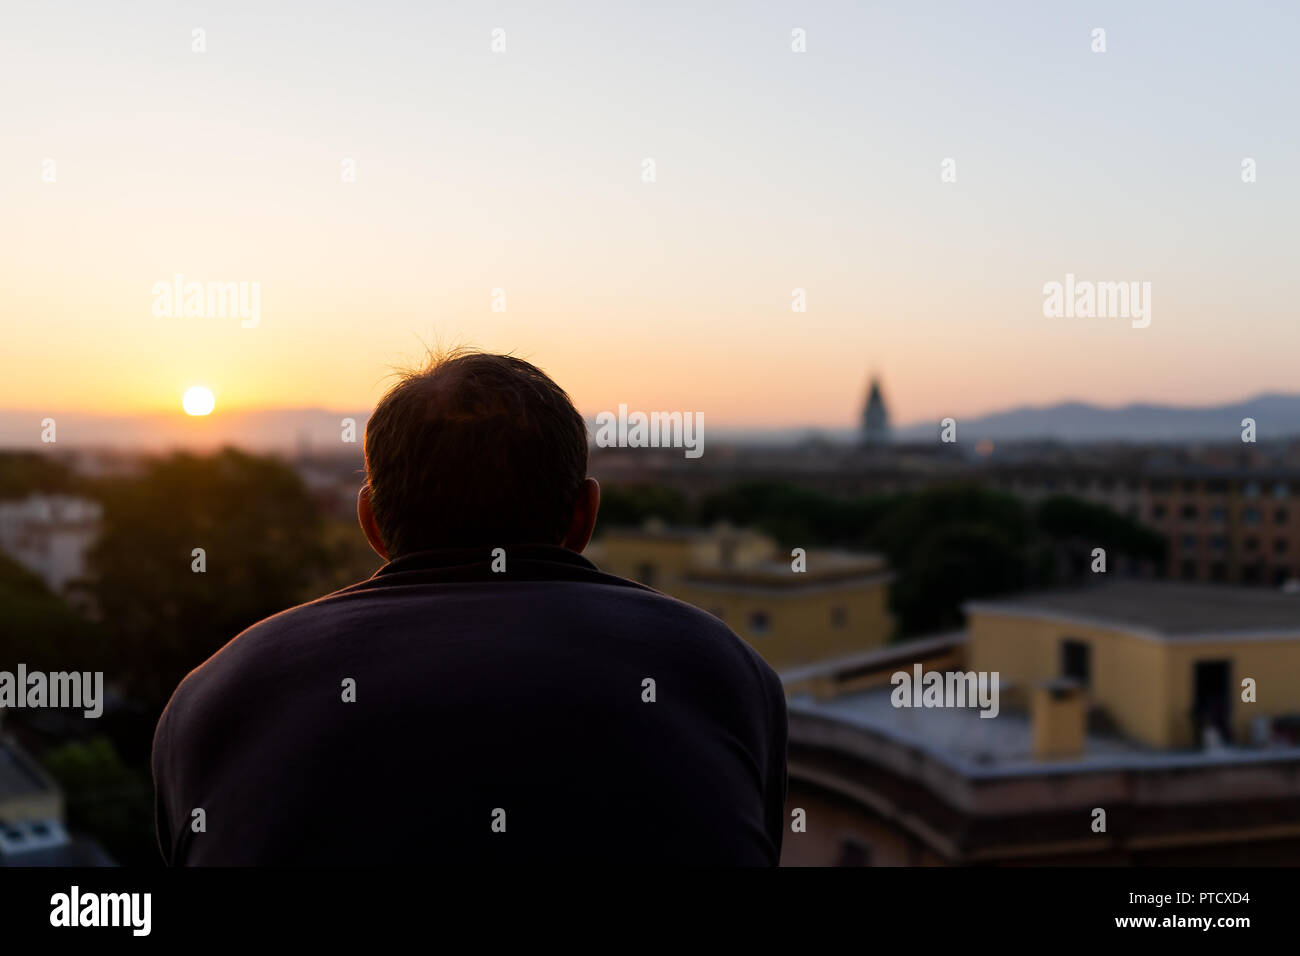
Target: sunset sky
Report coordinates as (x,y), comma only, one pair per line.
(522,170)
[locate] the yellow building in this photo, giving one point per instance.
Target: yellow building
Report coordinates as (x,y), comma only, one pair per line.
(1125,698)
(1165,664)
(793,609)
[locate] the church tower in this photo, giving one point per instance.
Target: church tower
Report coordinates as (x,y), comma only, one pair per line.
(875,417)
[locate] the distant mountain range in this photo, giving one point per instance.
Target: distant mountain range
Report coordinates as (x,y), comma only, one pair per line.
(1276,416)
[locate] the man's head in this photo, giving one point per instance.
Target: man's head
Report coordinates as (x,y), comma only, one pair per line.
(476,450)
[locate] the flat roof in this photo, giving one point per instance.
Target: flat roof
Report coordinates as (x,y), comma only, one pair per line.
(957,734)
(912,649)
(1165,610)
(1002,747)
(823,568)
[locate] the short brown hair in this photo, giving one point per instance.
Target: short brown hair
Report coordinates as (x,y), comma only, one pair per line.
(475,449)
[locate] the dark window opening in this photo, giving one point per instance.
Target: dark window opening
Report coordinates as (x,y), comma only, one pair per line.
(1212,700)
(1076,661)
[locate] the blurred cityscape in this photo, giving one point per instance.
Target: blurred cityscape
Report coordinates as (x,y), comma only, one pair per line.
(1125,593)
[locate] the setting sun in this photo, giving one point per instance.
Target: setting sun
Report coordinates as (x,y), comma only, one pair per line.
(198,401)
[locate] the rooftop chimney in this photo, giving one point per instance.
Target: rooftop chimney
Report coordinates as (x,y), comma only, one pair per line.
(1059,711)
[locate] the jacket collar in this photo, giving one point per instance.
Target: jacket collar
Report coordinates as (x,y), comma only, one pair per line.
(535,560)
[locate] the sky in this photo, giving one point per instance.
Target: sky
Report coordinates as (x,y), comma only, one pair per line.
(524,170)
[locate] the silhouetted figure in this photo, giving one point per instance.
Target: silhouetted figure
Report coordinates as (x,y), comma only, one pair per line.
(488,695)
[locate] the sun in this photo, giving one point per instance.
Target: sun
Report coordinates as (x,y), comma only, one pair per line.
(198,400)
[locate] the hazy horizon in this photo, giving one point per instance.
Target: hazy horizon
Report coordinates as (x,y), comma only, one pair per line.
(1068,421)
(849,421)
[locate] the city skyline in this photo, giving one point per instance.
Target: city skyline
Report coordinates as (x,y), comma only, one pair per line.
(1071,422)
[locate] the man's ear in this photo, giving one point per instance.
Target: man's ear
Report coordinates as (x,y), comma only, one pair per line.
(583,522)
(366,515)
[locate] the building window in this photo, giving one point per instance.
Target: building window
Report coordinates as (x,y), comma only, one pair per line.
(1279,516)
(1218,543)
(1189,571)
(1189,542)
(1280,546)
(759,623)
(1189,512)
(1219,515)
(1157,511)
(839,616)
(1251,489)
(1250,516)
(1280,490)
(1251,544)
(1076,661)
(1218,571)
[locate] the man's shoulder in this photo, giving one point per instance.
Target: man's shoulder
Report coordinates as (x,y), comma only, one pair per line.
(696,620)
(238,657)
(700,641)
(601,603)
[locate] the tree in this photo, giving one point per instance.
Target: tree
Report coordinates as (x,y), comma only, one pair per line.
(261,538)
(106,798)
(628,506)
(951,565)
(38,629)
(25,472)
(795,516)
(1075,527)
(902,531)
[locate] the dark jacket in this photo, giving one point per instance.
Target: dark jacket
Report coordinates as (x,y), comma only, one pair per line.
(497,717)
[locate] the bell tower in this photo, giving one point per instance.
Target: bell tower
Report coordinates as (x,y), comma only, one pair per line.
(875,417)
